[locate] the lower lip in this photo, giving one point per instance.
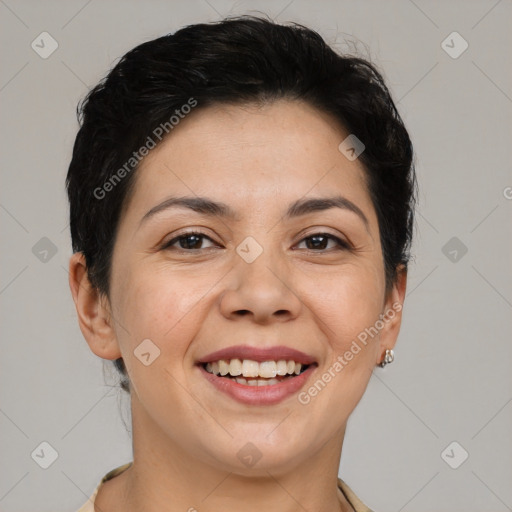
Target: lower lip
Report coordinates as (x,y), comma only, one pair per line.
(259,395)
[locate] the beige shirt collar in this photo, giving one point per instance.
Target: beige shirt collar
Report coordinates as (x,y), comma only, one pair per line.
(356,503)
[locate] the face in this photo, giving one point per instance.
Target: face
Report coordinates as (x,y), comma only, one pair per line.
(268,283)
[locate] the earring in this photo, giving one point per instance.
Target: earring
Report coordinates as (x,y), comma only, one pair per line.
(389,357)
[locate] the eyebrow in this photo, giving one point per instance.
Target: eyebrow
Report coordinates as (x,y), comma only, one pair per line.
(304,206)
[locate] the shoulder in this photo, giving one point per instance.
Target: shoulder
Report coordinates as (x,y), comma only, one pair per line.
(89,505)
(358,505)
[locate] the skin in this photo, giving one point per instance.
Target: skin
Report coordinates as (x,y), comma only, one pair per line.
(186,434)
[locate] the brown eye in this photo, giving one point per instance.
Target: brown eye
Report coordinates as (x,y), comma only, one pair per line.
(319,242)
(188,241)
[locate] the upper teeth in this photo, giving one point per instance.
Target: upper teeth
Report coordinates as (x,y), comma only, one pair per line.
(250,368)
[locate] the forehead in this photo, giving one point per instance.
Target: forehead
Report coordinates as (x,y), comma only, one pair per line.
(252,157)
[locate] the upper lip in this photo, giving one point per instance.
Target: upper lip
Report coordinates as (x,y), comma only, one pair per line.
(259,354)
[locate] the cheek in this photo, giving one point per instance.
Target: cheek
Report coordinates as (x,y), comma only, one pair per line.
(154,308)
(162,305)
(349,308)
(350,298)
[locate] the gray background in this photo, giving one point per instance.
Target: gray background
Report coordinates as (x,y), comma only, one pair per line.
(451,377)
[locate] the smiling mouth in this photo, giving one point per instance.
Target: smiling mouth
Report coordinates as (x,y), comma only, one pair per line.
(253,373)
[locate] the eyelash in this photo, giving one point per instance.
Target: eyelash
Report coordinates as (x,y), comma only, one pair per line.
(341,243)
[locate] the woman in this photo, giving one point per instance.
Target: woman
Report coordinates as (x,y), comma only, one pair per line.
(241,212)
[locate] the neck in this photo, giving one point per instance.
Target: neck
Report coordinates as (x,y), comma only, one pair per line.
(166,478)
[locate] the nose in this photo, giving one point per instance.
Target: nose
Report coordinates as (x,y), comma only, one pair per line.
(262,291)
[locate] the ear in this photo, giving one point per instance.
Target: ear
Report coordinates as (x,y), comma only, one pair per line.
(392,314)
(93,309)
